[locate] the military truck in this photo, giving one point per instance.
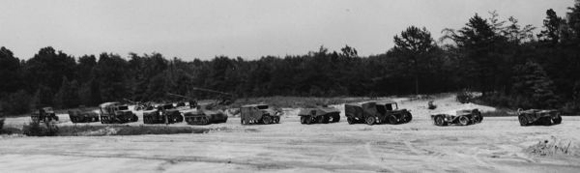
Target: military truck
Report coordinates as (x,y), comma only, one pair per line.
(44,114)
(259,114)
(83,115)
(462,117)
(538,117)
(115,112)
(320,114)
(164,113)
(204,117)
(376,113)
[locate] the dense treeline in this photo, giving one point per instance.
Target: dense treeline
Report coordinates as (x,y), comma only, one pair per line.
(506,61)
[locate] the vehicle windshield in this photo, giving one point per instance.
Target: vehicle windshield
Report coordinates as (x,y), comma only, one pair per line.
(168,107)
(263,107)
(389,107)
(123,108)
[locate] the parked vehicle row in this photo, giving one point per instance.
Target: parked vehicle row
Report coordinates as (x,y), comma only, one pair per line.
(370,112)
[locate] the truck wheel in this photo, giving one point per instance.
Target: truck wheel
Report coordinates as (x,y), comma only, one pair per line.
(463,120)
(244,121)
(370,120)
(335,118)
(440,121)
(557,119)
(267,120)
(350,120)
(277,120)
(303,119)
(523,120)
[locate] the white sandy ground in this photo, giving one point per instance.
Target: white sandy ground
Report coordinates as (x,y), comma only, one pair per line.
(495,145)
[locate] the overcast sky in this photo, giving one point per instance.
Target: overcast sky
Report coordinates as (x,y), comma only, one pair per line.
(248,28)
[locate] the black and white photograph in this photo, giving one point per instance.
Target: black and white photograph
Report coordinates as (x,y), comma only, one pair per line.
(285,86)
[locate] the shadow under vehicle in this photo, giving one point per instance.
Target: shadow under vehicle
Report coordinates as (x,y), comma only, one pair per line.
(114,112)
(376,113)
(44,114)
(461,117)
(538,117)
(165,113)
(83,115)
(259,114)
(320,114)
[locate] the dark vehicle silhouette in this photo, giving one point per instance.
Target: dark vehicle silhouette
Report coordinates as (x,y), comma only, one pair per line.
(259,114)
(462,117)
(114,112)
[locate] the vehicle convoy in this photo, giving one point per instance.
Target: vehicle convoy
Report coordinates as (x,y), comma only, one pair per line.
(320,114)
(114,112)
(165,113)
(44,114)
(461,117)
(538,117)
(204,117)
(376,113)
(83,115)
(259,114)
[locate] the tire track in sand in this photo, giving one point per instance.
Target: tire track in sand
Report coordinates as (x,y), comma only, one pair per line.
(377,160)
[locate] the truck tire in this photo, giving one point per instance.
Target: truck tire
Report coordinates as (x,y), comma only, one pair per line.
(308,120)
(370,120)
(303,119)
(267,119)
(408,117)
(523,120)
(335,118)
(463,120)
(391,119)
(478,118)
(326,119)
(557,119)
(349,120)
(204,121)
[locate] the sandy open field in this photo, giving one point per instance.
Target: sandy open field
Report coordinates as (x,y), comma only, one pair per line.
(498,144)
